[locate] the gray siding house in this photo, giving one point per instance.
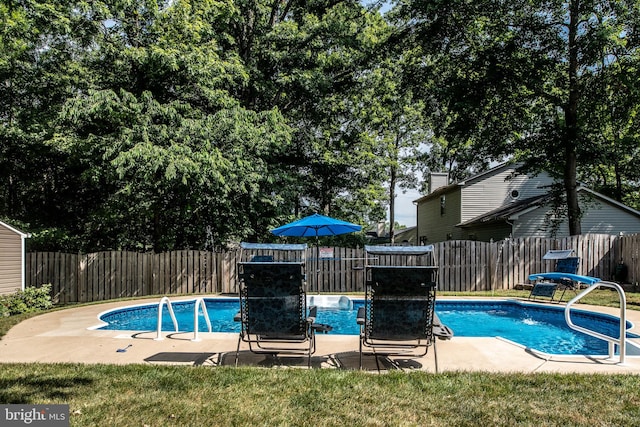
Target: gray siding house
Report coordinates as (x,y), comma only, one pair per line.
(501,203)
(12,259)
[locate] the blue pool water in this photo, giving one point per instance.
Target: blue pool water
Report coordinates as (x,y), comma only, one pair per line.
(542,328)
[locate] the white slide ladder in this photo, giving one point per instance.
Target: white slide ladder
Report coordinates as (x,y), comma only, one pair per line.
(163,301)
(621,341)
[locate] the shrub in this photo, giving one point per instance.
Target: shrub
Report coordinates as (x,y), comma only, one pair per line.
(30,300)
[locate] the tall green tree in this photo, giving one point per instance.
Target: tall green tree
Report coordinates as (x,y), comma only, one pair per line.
(176,160)
(516,74)
(611,114)
(135,124)
(396,123)
(307,59)
(40,42)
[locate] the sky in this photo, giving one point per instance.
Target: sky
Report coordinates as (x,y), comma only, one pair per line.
(405,209)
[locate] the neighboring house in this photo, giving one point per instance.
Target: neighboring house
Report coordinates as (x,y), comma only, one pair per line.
(379,234)
(503,203)
(406,236)
(12,259)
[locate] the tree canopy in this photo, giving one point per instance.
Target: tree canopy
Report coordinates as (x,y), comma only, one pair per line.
(544,81)
(145,125)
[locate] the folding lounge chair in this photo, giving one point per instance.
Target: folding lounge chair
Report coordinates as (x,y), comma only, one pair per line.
(273,310)
(567,265)
(564,276)
(398,317)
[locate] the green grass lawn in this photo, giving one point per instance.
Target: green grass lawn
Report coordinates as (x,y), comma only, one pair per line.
(143,395)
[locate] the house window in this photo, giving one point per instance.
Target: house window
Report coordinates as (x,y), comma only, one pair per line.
(443,202)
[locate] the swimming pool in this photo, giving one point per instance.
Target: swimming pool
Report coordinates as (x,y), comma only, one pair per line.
(535,326)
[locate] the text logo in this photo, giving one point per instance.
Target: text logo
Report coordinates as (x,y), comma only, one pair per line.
(34,415)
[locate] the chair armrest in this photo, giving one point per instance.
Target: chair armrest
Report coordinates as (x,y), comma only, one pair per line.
(321,327)
(360,316)
(441,331)
(436,319)
(313,313)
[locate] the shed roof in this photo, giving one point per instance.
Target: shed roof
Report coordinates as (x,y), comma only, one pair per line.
(14,230)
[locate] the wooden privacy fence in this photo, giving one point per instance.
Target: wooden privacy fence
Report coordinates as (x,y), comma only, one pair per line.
(117,274)
(463,266)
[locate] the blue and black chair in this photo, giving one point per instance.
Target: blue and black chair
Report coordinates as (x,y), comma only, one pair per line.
(398,317)
(273,309)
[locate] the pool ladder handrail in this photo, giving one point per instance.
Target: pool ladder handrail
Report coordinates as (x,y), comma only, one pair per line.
(621,341)
(199,304)
(163,301)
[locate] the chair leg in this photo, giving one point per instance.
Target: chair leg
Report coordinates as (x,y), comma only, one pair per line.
(435,354)
(238,348)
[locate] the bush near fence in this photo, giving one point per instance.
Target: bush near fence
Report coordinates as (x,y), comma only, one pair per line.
(463,266)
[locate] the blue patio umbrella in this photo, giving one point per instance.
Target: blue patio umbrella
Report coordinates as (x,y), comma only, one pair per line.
(316,225)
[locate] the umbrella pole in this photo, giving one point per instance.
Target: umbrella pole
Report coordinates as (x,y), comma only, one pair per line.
(317,264)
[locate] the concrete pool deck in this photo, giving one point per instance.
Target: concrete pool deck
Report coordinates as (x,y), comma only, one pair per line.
(65,336)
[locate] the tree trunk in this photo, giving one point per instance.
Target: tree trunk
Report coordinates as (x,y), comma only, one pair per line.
(618,193)
(570,136)
(392,205)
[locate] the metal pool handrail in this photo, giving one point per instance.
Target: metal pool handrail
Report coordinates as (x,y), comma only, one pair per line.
(199,304)
(165,300)
(621,341)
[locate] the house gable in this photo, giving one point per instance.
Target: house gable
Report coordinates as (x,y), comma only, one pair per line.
(502,203)
(500,187)
(478,195)
(606,218)
(601,215)
(438,216)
